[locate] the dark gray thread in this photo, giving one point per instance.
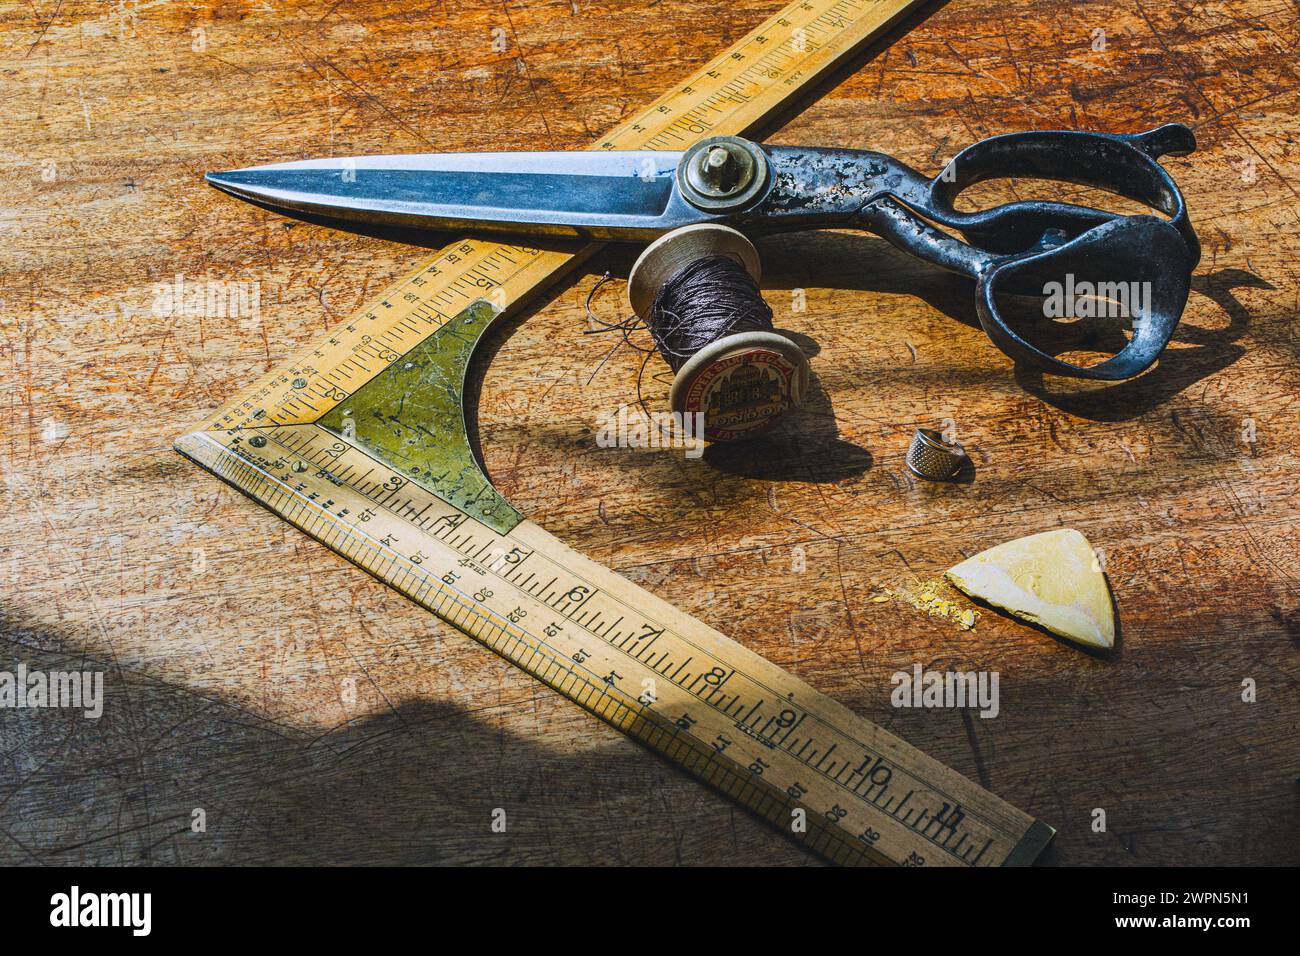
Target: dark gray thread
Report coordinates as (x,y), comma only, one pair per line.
(709,299)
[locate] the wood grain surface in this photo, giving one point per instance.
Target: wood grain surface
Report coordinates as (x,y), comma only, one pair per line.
(232,645)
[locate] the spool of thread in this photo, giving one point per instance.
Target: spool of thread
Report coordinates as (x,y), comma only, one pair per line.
(696,290)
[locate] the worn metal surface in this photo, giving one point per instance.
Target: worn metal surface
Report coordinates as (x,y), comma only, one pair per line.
(232,697)
(413,417)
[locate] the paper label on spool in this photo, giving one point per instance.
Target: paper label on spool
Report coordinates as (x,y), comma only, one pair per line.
(742,393)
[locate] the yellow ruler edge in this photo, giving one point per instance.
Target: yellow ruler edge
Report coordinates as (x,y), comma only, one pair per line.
(844,786)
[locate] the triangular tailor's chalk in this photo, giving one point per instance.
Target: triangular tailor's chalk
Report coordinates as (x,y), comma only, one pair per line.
(1053,579)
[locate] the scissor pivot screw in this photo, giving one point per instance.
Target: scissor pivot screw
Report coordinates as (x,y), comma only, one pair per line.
(722,172)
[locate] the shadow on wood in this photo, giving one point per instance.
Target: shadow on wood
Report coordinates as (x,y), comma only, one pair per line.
(417,785)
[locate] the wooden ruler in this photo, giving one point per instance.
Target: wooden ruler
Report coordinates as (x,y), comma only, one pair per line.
(434,529)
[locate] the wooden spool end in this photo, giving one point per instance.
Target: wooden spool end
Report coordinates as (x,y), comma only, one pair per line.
(742,383)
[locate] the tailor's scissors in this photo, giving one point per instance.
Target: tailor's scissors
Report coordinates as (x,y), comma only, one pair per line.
(1017,247)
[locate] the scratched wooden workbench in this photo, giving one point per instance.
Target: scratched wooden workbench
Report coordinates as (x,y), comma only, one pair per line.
(266,702)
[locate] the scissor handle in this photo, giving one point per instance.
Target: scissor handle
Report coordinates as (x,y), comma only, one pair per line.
(1123,164)
(1143,256)
(1026,247)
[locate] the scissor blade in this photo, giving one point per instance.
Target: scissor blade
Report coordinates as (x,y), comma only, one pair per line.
(617,194)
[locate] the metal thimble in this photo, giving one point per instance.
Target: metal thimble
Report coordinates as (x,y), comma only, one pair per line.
(932,458)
